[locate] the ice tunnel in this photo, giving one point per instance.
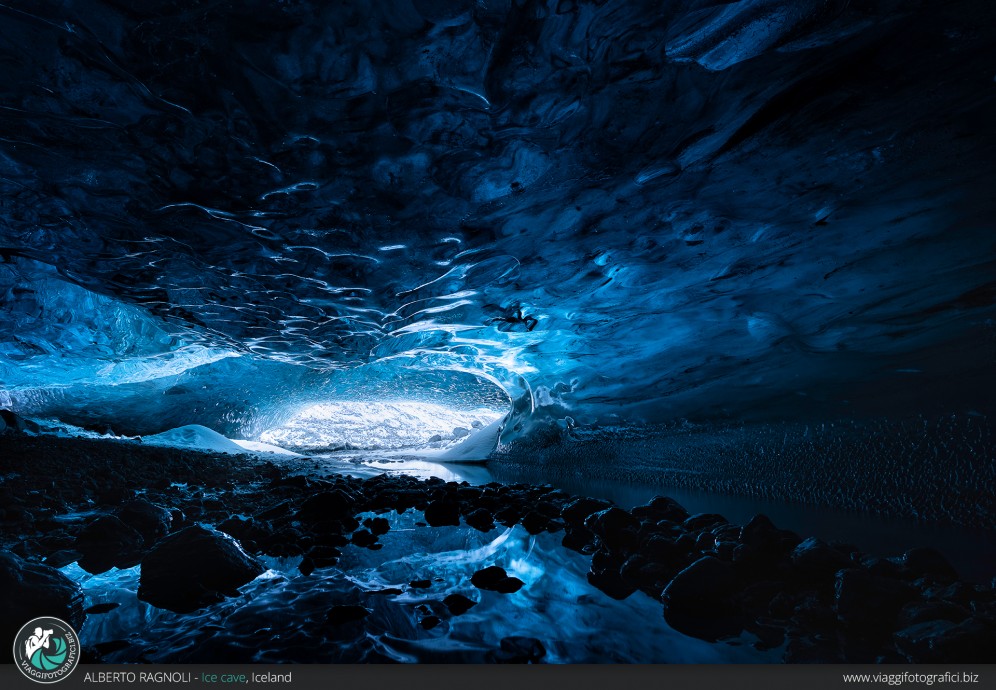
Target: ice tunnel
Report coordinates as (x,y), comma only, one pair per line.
(745,249)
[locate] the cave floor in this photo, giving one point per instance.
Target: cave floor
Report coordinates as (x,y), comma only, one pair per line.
(388,568)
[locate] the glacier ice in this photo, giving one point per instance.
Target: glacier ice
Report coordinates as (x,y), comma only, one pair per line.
(583,213)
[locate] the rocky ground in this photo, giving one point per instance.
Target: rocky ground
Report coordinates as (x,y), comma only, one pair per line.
(197,524)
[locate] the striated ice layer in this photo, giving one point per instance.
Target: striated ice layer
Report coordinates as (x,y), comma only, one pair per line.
(605,213)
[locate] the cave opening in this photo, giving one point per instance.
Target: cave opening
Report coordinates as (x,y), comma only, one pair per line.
(563,307)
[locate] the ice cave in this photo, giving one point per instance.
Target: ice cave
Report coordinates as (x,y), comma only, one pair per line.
(453,331)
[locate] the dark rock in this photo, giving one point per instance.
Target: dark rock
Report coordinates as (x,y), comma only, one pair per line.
(508,516)
(519,650)
(430,622)
(648,576)
(813,614)
(213,504)
(62,558)
(971,641)
(869,603)
(702,521)
(108,542)
(661,508)
(818,560)
(882,567)
(97,609)
(926,561)
(758,597)
(615,527)
(327,505)
(442,512)
(915,641)
(275,511)
(343,614)
(701,600)
(535,522)
(306,566)
(152,521)
(420,584)
(363,538)
(579,539)
(11,422)
(606,574)
(705,541)
(458,604)
(29,590)
(114,495)
(480,520)
(241,528)
(193,568)
(922,611)
(495,579)
(378,526)
(956,592)
(578,510)
(762,534)
(324,556)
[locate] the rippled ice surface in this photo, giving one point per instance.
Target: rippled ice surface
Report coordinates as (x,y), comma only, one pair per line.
(280,616)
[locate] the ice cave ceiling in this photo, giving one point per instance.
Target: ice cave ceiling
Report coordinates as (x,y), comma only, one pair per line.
(617,210)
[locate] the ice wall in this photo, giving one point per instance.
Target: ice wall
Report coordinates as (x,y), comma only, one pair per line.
(615,211)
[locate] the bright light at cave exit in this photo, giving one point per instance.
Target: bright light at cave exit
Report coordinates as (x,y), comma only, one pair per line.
(380,425)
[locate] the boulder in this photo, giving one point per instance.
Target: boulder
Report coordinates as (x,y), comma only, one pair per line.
(152,521)
(480,520)
(616,528)
(193,568)
(107,542)
(458,604)
(343,614)
(442,512)
(578,539)
(606,574)
(868,603)
(535,522)
(701,600)
(363,538)
(378,526)
(922,611)
(495,579)
(818,560)
(578,510)
(13,422)
(29,590)
(327,505)
(761,533)
(971,641)
(923,561)
(701,521)
(662,508)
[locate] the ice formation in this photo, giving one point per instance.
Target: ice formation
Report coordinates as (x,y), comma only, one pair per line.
(613,213)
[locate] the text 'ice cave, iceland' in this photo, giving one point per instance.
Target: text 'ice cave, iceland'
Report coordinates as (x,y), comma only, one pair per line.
(560,331)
